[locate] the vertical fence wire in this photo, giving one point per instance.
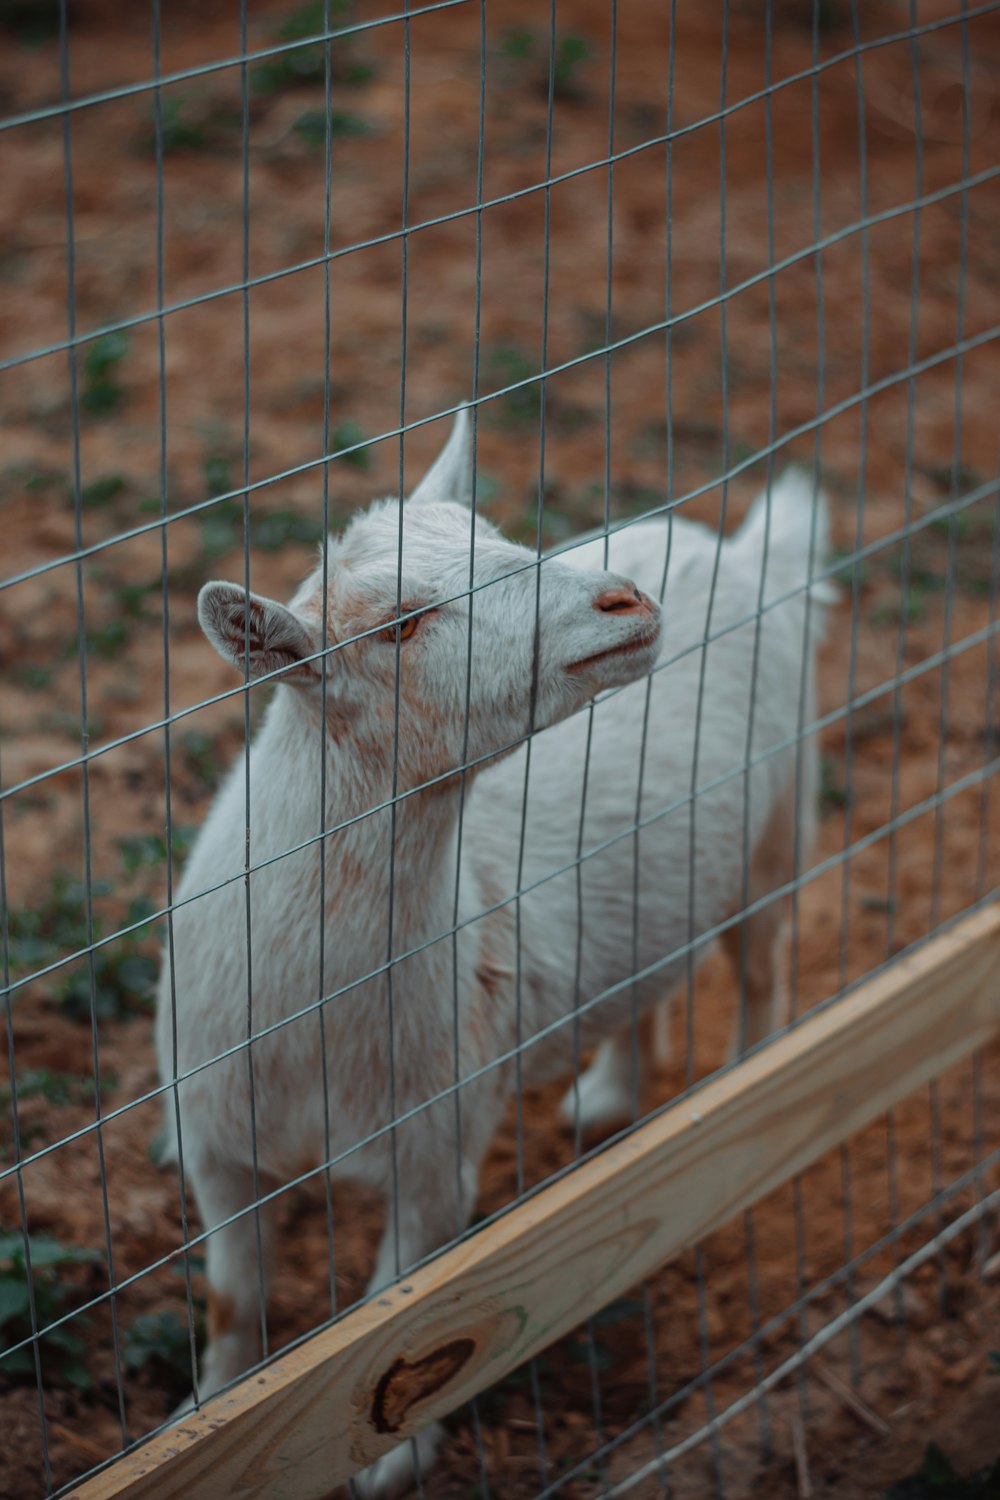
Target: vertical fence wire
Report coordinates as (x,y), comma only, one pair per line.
(168,810)
(81,652)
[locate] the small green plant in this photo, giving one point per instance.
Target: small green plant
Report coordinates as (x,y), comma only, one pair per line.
(222,528)
(58,1088)
(523,46)
(131,598)
(101,491)
(101,391)
(143,851)
(199,753)
(938,1479)
(218,476)
(508,366)
(311,125)
(29,676)
(351,435)
(832,792)
(160,1341)
(123,974)
(106,641)
(307,64)
(61,1351)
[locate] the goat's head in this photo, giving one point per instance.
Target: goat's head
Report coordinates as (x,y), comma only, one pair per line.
(429,608)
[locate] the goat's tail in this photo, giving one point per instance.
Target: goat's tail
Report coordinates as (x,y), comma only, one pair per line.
(789,534)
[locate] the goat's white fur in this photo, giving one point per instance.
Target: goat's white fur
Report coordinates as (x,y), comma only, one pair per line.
(473,988)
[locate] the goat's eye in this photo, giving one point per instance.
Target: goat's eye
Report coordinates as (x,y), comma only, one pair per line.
(401,632)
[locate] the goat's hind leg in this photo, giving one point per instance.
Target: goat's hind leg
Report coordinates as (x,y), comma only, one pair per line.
(610,1092)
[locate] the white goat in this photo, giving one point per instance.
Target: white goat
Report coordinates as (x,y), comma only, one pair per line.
(476,672)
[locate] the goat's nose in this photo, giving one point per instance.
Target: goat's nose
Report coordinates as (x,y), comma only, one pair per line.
(623,599)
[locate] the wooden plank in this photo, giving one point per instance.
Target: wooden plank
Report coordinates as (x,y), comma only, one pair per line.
(315,1416)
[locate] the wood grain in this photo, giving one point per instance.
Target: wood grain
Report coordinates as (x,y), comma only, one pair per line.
(303,1425)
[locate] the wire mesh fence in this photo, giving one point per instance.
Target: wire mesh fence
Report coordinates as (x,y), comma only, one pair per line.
(477,804)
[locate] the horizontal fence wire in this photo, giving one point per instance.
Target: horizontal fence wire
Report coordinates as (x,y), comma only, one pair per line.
(923,677)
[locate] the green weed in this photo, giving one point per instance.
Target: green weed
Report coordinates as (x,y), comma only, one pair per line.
(938,1479)
(349,435)
(191,122)
(218,478)
(200,756)
(509,366)
(61,1351)
(30,676)
(307,64)
(160,1341)
(101,491)
(143,851)
(222,528)
(58,1088)
(832,792)
(524,46)
(123,974)
(311,125)
(101,391)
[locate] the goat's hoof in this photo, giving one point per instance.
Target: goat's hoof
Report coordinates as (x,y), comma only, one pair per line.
(395,1472)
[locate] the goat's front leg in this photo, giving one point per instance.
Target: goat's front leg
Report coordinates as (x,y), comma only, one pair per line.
(238,1254)
(431,1193)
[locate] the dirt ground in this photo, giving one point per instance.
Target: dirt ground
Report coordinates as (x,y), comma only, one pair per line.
(161,431)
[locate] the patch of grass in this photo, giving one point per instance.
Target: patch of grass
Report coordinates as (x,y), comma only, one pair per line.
(218,476)
(530,50)
(222,528)
(101,491)
(58,1088)
(101,392)
(159,1341)
(276,528)
(200,756)
(61,1351)
(849,568)
(347,435)
(938,1479)
(124,974)
(103,641)
(36,481)
(311,126)
(29,676)
(832,791)
(142,851)
(507,365)
(131,598)
(966,478)
(191,122)
(307,64)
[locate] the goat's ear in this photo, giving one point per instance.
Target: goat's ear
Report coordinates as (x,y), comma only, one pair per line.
(277,637)
(450,475)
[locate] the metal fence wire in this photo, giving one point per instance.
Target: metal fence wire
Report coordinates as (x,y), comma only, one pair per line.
(660,258)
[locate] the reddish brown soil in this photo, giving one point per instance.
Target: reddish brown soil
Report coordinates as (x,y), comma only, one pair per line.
(925,1374)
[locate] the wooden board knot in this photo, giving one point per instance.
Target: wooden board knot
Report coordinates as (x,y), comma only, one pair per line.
(404,1384)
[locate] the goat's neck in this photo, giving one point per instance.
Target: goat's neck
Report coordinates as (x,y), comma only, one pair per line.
(403,854)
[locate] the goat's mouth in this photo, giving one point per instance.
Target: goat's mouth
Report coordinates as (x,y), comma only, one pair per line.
(627,648)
